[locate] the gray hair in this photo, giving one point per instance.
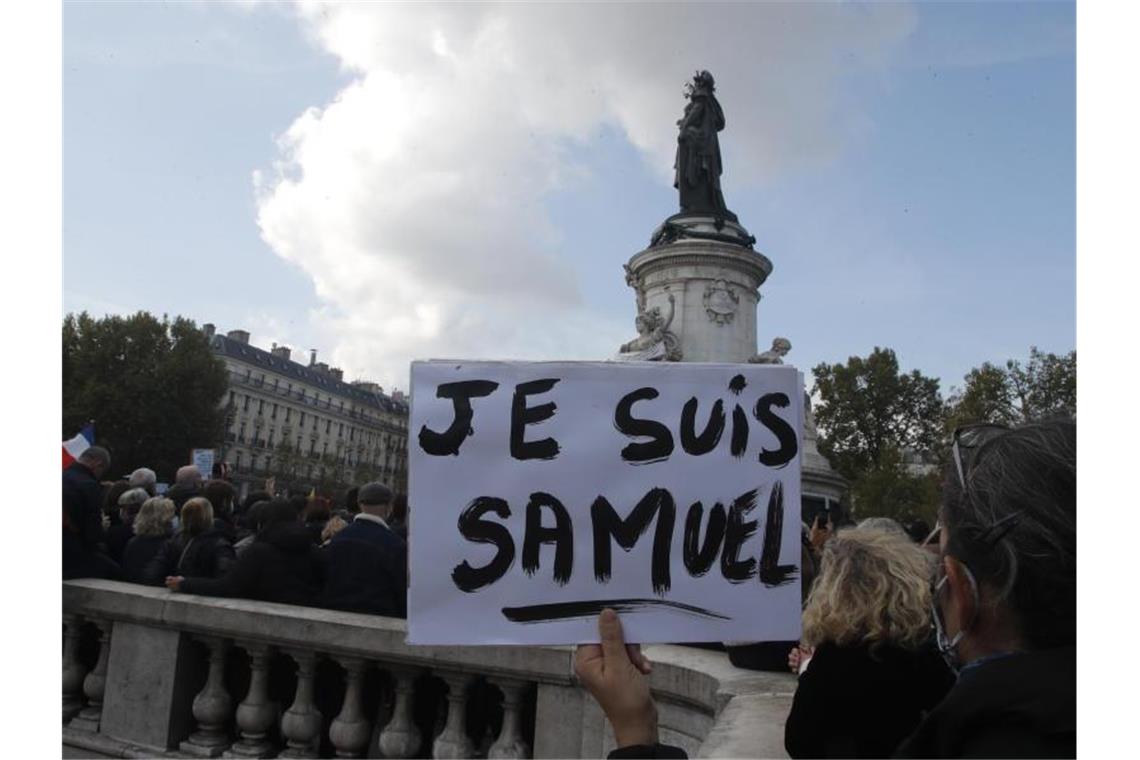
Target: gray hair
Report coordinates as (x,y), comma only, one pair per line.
(1015,526)
(188,475)
(144,478)
(155,517)
(133,497)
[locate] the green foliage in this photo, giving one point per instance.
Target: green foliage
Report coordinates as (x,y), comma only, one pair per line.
(869,413)
(1045,386)
(868,408)
(154,389)
(890,489)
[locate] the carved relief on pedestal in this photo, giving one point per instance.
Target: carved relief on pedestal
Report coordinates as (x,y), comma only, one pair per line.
(721,302)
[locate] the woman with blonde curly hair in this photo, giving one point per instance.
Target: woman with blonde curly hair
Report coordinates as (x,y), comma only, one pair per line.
(874,671)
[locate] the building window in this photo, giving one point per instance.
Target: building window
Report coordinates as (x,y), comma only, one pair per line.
(271,433)
(231,398)
(237,460)
(301,422)
(288,413)
(260,405)
(245,405)
(241,433)
(340,430)
(328,427)
(273,414)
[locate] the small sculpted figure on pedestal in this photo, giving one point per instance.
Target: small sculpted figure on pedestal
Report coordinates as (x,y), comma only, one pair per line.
(654,342)
(775,354)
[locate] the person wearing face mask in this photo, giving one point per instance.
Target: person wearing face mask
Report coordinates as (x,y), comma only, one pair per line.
(1005,599)
(1004,607)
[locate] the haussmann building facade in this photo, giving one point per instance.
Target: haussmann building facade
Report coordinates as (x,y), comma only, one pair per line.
(304,425)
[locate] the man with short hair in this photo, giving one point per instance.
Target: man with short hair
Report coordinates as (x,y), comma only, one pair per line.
(187,485)
(367,563)
(84,547)
(143,478)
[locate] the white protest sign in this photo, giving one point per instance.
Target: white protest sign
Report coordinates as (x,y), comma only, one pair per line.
(541,492)
(203,459)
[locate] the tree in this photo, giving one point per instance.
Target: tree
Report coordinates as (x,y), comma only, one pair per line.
(1044,387)
(153,387)
(871,416)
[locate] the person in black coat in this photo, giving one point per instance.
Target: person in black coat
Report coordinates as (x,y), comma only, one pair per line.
(84,544)
(283,564)
(199,549)
(119,534)
(1005,602)
(367,562)
(152,528)
(874,671)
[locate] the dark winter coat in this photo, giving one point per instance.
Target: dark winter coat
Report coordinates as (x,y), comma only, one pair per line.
(281,565)
(140,552)
(117,538)
(83,504)
(207,555)
(859,701)
(180,494)
(367,570)
(1021,705)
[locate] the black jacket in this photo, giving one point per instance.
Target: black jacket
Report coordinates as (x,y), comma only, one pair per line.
(1021,705)
(367,570)
(83,504)
(282,565)
(856,701)
(118,536)
(180,494)
(140,551)
(208,555)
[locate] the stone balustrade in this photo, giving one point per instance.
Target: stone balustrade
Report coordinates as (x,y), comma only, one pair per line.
(148,673)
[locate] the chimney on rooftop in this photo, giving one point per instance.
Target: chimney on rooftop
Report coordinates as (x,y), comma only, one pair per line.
(312,357)
(238,336)
(281,352)
(208,328)
(338,373)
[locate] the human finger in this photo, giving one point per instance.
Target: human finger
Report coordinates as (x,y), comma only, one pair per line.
(638,658)
(613,642)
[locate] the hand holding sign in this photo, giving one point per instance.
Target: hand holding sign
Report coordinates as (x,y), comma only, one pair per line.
(615,674)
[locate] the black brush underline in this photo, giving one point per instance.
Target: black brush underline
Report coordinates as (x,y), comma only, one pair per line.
(543,613)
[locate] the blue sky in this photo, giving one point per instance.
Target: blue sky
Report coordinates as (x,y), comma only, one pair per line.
(381,183)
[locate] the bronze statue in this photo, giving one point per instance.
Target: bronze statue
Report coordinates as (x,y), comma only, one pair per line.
(698,166)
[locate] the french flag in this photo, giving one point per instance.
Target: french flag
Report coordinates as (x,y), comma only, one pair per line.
(74,448)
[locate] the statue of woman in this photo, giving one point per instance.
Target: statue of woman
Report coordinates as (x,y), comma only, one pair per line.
(654,342)
(698,166)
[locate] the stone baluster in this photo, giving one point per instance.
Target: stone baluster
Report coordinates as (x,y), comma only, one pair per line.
(350,730)
(73,670)
(510,744)
(453,741)
(212,706)
(256,713)
(301,723)
(400,737)
(95,682)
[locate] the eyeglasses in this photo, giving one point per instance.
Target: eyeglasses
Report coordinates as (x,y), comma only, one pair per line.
(971,437)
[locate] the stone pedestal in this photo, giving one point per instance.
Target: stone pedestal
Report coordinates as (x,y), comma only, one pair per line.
(715,286)
(149,690)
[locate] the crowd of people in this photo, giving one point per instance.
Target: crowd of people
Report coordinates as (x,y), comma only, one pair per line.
(197,539)
(956,643)
(962,644)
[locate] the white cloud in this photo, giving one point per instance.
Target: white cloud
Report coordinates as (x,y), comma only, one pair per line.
(416,198)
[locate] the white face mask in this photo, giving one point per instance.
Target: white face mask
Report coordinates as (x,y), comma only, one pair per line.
(948,647)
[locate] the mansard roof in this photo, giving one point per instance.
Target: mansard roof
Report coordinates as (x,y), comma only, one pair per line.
(315,378)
